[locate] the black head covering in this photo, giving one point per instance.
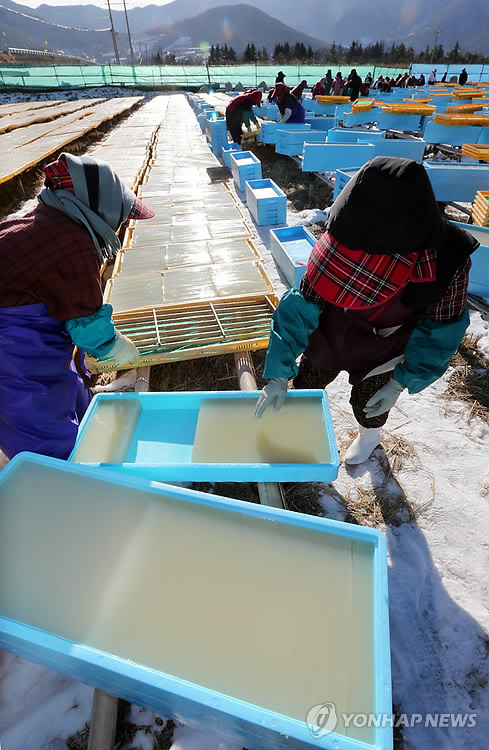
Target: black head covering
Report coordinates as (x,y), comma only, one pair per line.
(387,207)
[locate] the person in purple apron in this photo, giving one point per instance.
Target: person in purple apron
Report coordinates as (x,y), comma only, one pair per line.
(51,301)
(384,298)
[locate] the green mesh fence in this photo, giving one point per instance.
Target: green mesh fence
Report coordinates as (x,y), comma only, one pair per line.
(155,76)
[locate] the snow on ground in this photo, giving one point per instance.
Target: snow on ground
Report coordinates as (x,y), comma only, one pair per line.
(438,555)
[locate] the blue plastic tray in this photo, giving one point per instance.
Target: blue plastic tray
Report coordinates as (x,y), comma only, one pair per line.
(352,135)
(479,273)
(328,157)
(455,181)
(269,208)
(291,247)
(244,166)
(162,439)
(235,720)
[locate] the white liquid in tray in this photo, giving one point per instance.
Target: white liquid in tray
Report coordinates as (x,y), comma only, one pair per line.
(227,433)
(272,614)
(265,193)
(109,432)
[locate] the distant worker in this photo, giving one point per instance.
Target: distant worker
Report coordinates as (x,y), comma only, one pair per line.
(239,112)
(51,301)
(368,79)
(462,79)
(337,86)
(328,82)
(432,77)
(401,80)
(279,79)
(421,80)
(297,91)
(318,89)
(291,110)
(353,85)
(387,305)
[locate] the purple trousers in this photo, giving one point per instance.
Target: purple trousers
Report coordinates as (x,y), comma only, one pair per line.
(42,395)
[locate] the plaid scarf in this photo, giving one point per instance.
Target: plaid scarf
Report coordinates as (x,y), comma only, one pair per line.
(357,280)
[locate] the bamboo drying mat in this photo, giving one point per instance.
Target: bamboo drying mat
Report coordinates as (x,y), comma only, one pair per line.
(200,330)
(24,148)
(30,117)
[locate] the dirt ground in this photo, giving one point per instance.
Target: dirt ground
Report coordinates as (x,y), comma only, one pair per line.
(302,189)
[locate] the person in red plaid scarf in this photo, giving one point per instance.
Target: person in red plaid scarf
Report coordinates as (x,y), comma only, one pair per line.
(51,301)
(383,299)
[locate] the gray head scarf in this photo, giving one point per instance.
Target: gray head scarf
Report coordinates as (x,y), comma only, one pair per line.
(101,201)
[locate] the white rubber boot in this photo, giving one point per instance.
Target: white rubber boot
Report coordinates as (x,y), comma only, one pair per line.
(363,446)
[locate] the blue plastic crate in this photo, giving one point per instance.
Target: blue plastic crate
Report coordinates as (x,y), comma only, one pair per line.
(291,247)
(321,123)
(328,157)
(269,130)
(271,112)
(358,118)
(484,137)
(266,202)
(479,273)
(244,166)
(341,110)
(319,109)
(291,142)
(456,181)
(451,135)
(342,177)
(111,501)
(160,433)
(226,153)
(201,121)
(398,121)
(349,135)
(413,149)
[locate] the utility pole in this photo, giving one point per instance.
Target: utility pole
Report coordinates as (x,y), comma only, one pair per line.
(129,34)
(437,34)
(112,31)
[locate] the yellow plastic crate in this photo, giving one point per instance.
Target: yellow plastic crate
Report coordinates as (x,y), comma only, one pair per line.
(464,108)
(362,105)
(476,151)
(481,203)
(461,119)
(332,99)
(409,109)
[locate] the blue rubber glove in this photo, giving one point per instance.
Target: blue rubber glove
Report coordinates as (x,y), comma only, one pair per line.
(273,393)
(384,399)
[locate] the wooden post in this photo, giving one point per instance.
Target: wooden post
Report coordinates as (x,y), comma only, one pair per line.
(104,721)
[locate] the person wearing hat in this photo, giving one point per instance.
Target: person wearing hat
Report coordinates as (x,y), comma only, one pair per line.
(290,108)
(239,111)
(51,301)
(298,90)
(462,79)
(279,79)
(384,300)
(432,77)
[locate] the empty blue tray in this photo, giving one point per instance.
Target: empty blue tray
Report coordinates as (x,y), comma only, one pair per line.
(152,435)
(129,581)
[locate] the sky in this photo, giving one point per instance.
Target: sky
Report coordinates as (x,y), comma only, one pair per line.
(115,4)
